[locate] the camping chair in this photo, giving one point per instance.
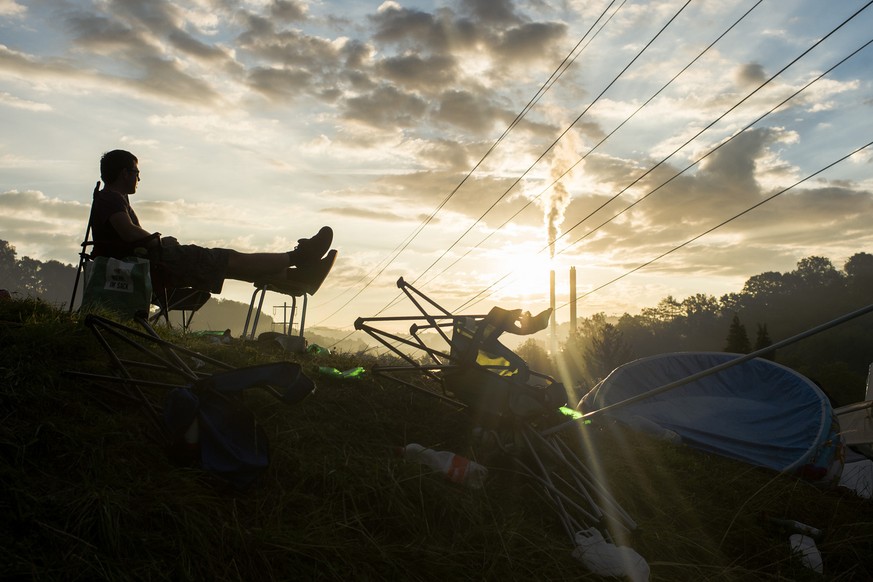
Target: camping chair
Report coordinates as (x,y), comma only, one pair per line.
(165,297)
(512,407)
(294,343)
(194,403)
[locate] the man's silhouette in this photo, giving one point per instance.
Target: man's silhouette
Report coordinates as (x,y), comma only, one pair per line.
(117,233)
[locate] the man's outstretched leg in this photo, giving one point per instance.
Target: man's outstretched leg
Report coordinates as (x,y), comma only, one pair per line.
(255,267)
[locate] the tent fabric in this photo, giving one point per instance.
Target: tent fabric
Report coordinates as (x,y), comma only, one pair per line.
(757,411)
(230,443)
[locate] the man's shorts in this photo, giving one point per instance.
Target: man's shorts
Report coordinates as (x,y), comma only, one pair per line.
(193,266)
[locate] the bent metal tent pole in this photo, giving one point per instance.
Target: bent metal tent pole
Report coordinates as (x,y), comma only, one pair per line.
(716,369)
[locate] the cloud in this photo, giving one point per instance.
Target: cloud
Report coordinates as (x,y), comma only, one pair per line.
(725,185)
(750,75)
(39,226)
(288,11)
(279,84)
(416,72)
(402,26)
(469,111)
(528,42)
(12,9)
(386,106)
(13,101)
(366,214)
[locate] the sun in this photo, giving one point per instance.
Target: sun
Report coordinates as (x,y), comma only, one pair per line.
(527,274)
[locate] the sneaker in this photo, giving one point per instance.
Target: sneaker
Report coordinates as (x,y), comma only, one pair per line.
(310,250)
(311,277)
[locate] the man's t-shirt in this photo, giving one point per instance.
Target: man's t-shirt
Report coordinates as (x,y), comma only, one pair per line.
(107,242)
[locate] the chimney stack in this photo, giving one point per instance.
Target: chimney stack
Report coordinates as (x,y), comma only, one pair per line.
(572,300)
(552,303)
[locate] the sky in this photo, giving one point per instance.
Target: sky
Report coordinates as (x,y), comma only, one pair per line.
(450,142)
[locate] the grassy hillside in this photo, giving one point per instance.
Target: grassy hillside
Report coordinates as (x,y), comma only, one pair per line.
(90,495)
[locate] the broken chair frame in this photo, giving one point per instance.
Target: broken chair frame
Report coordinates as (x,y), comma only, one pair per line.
(515,407)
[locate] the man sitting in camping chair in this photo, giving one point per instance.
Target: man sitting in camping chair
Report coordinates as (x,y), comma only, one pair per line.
(117,233)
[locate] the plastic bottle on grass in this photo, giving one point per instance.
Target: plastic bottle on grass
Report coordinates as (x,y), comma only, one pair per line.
(329,371)
(456,468)
(353,373)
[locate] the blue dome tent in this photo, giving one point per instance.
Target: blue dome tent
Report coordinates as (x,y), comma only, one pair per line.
(756,411)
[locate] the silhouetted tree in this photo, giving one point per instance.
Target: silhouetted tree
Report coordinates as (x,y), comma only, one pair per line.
(737,338)
(859,277)
(10,274)
(607,351)
(51,281)
(666,311)
(762,340)
(536,356)
(817,272)
(732,302)
(764,291)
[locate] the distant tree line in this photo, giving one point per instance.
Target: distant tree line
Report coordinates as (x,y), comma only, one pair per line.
(772,306)
(50,281)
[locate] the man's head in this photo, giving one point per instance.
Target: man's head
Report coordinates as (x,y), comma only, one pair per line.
(119,168)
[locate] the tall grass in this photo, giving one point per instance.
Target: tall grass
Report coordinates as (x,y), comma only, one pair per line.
(90,495)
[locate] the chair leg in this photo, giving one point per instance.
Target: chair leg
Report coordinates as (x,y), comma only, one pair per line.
(262,291)
(303,314)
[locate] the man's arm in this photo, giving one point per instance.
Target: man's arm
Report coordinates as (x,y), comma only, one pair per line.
(129,232)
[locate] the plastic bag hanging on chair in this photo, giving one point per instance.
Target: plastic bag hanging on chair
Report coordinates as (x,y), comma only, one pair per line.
(121,285)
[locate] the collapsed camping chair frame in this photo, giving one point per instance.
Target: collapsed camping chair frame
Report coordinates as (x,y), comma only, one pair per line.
(167,298)
(512,407)
(178,387)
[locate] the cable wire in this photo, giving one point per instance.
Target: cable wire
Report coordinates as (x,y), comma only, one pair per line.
(721,224)
(544,88)
(598,144)
(478,297)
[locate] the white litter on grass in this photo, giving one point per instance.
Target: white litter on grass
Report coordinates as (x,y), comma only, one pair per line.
(808,552)
(606,559)
(857,475)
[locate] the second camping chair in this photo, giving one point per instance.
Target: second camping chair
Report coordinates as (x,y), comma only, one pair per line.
(193,402)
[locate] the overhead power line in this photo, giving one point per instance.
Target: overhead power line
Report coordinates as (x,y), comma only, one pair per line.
(555,142)
(481,294)
(723,223)
(598,144)
(716,120)
(559,71)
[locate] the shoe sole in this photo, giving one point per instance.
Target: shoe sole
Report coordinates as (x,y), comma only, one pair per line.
(325,264)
